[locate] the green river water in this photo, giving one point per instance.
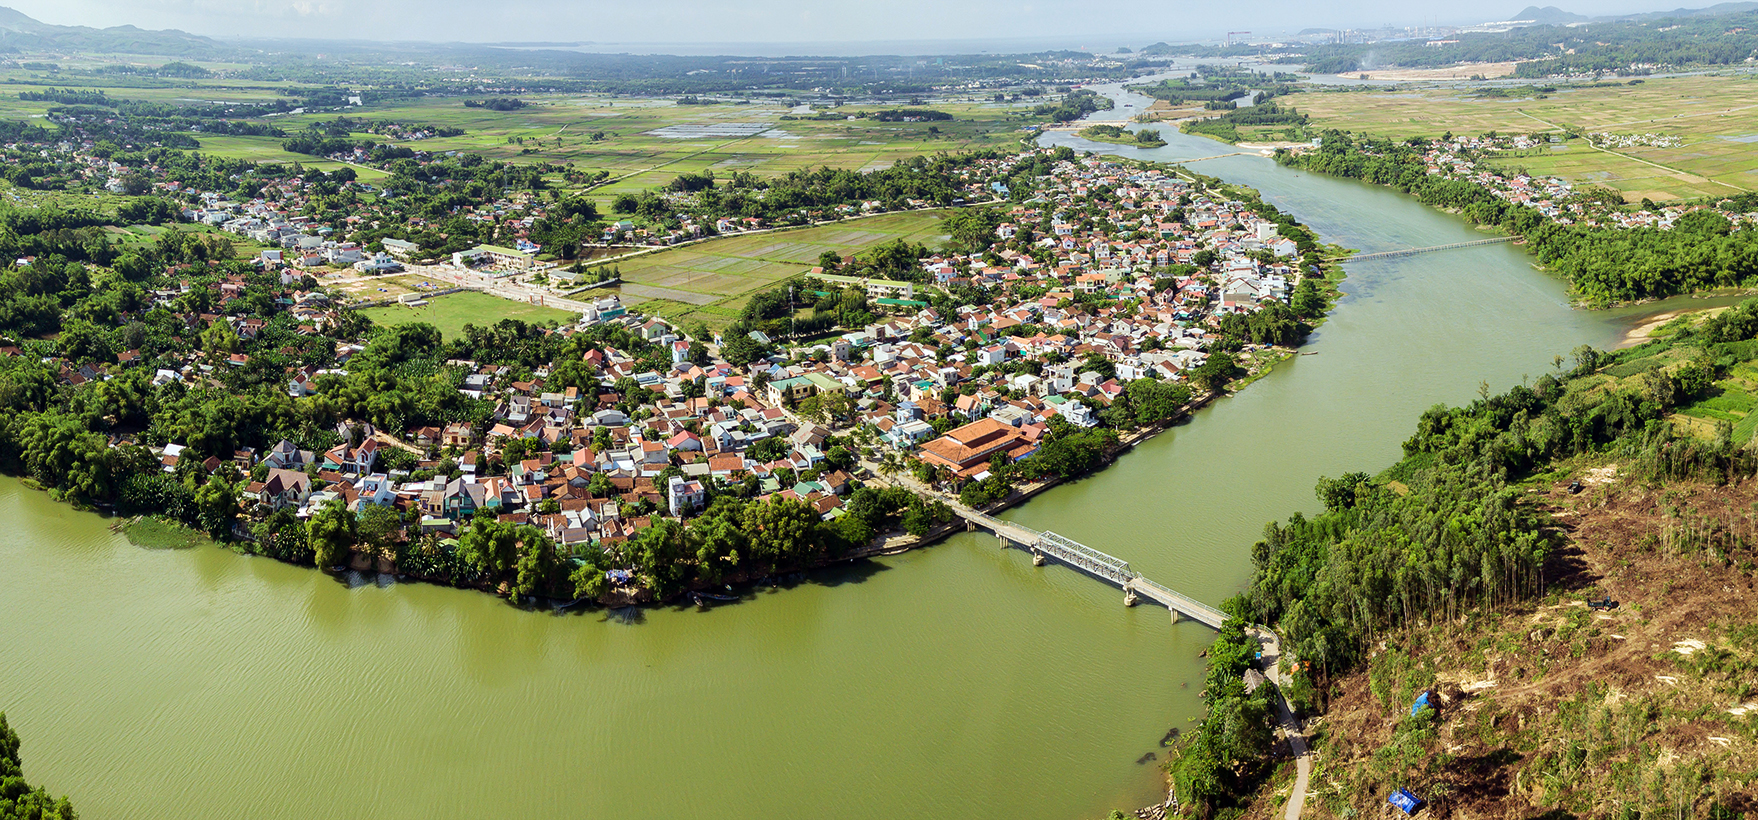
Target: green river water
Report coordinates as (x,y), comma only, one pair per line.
(953,682)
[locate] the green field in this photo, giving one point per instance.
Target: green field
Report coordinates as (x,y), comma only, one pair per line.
(618,135)
(1715,116)
(268,149)
(599,133)
(711,281)
(450,313)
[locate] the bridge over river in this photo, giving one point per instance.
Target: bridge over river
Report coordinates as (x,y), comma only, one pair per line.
(1496,240)
(1047,545)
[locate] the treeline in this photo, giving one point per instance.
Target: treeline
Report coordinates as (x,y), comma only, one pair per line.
(782,199)
(1229,752)
(70,96)
(749,538)
(1540,51)
(1445,530)
(1226,126)
(1602,265)
(1448,528)
(902,114)
(20,800)
(1073,106)
(497,104)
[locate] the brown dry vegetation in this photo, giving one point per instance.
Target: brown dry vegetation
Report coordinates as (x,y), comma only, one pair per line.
(1555,710)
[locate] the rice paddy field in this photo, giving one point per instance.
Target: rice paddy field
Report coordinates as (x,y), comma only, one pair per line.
(711,281)
(641,142)
(450,313)
(644,143)
(1714,117)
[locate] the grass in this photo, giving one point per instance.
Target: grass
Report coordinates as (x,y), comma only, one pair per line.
(158,534)
(450,313)
(268,149)
(1710,114)
(710,281)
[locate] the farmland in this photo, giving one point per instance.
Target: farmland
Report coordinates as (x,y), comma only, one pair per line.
(710,281)
(641,142)
(451,312)
(644,143)
(1715,118)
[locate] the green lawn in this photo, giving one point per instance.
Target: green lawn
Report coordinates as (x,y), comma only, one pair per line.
(450,313)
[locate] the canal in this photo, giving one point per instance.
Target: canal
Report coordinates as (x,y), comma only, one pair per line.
(953,682)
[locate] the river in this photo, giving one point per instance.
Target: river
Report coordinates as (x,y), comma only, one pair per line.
(953,682)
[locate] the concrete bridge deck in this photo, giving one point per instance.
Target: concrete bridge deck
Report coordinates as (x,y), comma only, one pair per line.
(1496,240)
(1067,551)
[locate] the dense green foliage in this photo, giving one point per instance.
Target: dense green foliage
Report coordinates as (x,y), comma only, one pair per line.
(1602,265)
(1544,50)
(1228,752)
(18,799)
(1267,114)
(1073,106)
(746,538)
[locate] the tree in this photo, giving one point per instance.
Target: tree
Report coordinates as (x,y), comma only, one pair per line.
(216,505)
(1214,374)
(17,798)
(539,566)
(330,533)
(377,527)
(1156,401)
(781,531)
(972,230)
(740,349)
(491,547)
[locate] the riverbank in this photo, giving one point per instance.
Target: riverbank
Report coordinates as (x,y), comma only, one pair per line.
(1119,136)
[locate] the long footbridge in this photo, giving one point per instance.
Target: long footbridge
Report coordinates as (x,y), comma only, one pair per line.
(1495,240)
(1049,545)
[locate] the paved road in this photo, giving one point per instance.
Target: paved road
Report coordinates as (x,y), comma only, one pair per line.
(1296,741)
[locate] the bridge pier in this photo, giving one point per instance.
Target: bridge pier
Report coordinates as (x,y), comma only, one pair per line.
(1129,598)
(1037,558)
(1175,615)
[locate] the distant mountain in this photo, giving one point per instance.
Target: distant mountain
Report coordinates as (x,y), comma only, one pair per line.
(20,32)
(1553,16)
(1712,11)
(1550,15)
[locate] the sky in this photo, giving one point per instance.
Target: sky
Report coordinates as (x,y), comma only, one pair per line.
(1096,24)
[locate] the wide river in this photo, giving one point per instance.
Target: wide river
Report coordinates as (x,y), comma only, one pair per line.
(953,682)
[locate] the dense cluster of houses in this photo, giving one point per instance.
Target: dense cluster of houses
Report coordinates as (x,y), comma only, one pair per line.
(1106,262)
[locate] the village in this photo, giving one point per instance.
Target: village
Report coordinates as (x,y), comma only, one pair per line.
(1132,281)
(1563,202)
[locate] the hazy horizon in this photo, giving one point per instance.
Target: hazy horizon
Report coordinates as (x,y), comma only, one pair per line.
(692,25)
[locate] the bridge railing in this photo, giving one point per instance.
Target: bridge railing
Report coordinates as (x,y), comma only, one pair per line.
(1183,603)
(1116,569)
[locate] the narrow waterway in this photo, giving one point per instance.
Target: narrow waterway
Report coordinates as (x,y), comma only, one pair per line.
(955,682)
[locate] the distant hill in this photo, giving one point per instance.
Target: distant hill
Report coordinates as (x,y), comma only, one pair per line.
(21,32)
(1553,16)
(1712,11)
(1549,15)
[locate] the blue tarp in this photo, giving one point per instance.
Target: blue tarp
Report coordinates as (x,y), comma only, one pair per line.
(1421,701)
(1403,799)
